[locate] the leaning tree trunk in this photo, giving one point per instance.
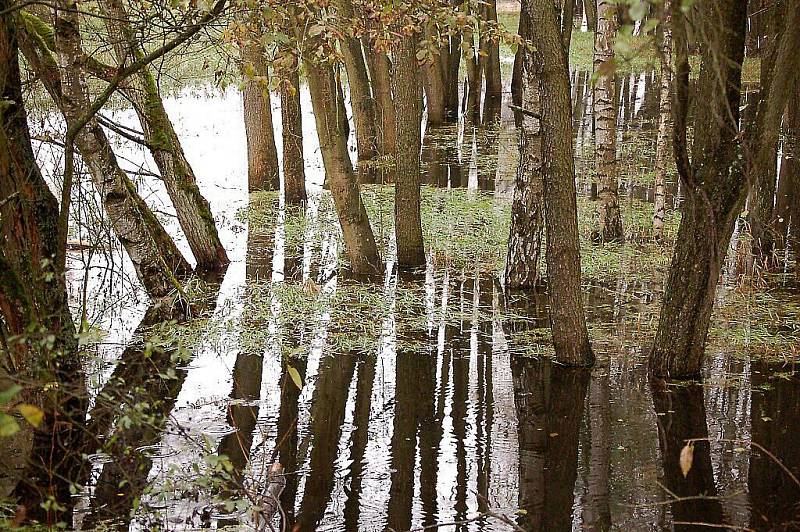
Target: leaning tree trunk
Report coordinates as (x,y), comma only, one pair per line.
(294,174)
(37,336)
(262,155)
(358,237)
(527,221)
(715,187)
(192,209)
(567,21)
(361,98)
(158,263)
(408,102)
(567,319)
(605,116)
(664,122)
(490,55)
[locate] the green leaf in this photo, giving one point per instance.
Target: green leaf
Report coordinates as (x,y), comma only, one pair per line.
(295,375)
(9,393)
(8,425)
(31,413)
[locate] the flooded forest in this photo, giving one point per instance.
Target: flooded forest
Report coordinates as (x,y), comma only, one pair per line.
(399,265)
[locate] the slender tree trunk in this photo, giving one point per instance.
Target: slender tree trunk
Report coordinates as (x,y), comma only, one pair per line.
(527,209)
(568,322)
(715,188)
(434,84)
(517,72)
(33,305)
(158,263)
(262,156)
(605,113)
(380,76)
(361,98)
(597,510)
(567,20)
(408,101)
(474,82)
(664,122)
(787,208)
(294,175)
(591,14)
(358,237)
(192,209)
(490,53)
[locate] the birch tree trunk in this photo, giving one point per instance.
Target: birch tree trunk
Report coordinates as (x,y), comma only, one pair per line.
(527,209)
(192,209)
(664,122)
(605,115)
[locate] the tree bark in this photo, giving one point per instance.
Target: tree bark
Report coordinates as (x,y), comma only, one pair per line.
(358,237)
(715,188)
(517,71)
(527,220)
(568,322)
(34,305)
(361,99)
(567,20)
(380,76)
(664,122)
(192,209)
(605,115)
(262,155)
(490,61)
(591,14)
(408,102)
(294,175)
(474,82)
(159,264)
(434,83)
(787,208)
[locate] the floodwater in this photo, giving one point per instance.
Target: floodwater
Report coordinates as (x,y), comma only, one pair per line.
(412,402)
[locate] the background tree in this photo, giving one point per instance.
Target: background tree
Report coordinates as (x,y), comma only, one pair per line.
(605,118)
(664,120)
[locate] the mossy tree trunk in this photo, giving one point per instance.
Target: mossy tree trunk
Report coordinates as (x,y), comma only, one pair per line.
(664,121)
(568,322)
(408,102)
(159,264)
(605,116)
(294,175)
(527,209)
(37,335)
(262,156)
(192,209)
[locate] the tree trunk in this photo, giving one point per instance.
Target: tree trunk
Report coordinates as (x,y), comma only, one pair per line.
(158,263)
(294,175)
(360,94)
(358,238)
(490,55)
(597,510)
(408,102)
(472,89)
(567,20)
(787,208)
(517,72)
(591,14)
(715,189)
(605,115)
(527,221)
(192,209)
(262,155)
(380,76)
(568,322)
(434,83)
(664,122)
(33,304)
